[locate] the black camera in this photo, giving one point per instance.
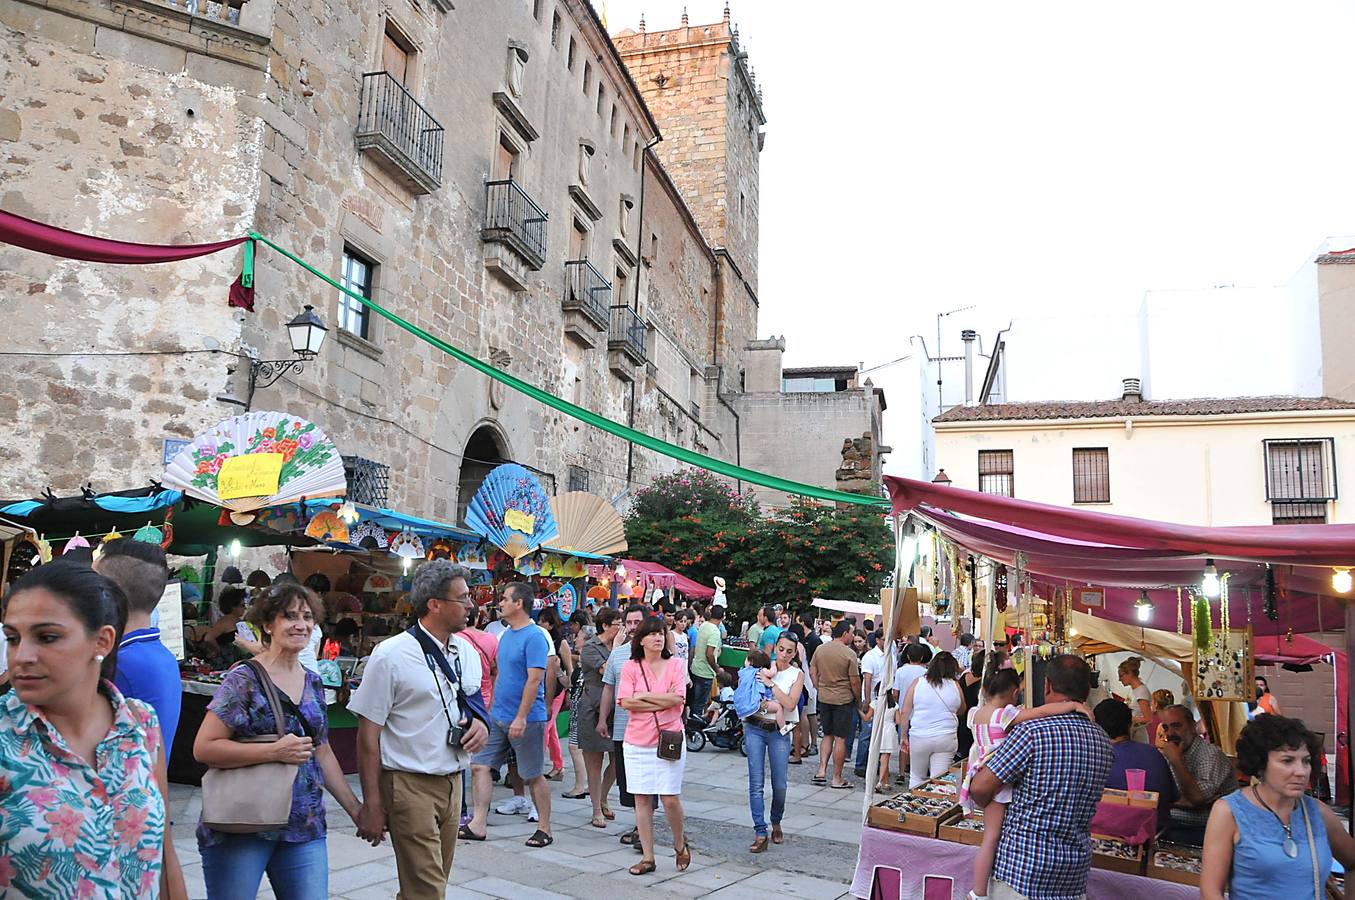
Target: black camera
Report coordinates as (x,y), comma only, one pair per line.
(454,735)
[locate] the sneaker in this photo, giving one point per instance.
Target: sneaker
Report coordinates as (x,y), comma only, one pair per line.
(513,806)
(531,812)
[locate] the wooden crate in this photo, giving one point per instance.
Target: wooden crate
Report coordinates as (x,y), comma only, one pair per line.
(882,816)
(1164,873)
(1142,799)
(1132,866)
(932,788)
(949,830)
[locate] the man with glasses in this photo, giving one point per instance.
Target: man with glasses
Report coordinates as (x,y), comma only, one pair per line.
(420,717)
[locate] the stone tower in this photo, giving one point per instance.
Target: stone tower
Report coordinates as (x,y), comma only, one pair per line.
(700,88)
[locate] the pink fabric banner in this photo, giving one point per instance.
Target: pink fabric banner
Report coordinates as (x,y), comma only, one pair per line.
(31,235)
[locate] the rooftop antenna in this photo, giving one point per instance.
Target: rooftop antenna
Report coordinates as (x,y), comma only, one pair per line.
(684,17)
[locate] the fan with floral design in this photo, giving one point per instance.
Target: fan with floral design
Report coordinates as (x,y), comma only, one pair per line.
(256,460)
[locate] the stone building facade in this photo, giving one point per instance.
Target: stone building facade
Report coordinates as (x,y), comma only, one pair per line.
(492,173)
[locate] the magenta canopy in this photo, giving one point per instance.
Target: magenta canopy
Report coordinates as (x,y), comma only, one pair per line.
(21,232)
(665,575)
(1128,555)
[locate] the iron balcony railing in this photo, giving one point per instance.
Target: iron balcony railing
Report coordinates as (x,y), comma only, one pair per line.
(627,333)
(391,120)
(586,290)
(513,218)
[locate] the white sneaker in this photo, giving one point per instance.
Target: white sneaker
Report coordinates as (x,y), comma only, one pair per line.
(513,806)
(531,813)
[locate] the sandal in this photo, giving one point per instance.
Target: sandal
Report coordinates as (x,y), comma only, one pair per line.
(759,844)
(819,780)
(845,786)
(777,836)
(607,813)
(598,822)
(465,834)
(684,856)
(643,867)
(631,837)
(540,839)
(795,762)
(556,775)
(575,796)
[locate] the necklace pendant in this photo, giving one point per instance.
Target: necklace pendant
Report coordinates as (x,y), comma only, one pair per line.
(1291,848)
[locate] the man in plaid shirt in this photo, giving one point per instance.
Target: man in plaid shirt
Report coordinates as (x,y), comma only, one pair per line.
(1057,767)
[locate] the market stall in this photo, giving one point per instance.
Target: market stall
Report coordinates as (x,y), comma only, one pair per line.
(1070,580)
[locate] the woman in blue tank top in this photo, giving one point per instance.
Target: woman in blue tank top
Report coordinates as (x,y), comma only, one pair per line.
(1270,840)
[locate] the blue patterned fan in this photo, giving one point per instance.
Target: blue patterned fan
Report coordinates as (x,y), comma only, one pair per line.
(512,511)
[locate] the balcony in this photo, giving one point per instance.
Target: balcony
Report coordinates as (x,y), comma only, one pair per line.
(406,139)
(587,292)
(514,220)
(625,340)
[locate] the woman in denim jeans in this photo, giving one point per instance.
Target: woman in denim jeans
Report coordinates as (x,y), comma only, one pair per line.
(766,744)
(233,865)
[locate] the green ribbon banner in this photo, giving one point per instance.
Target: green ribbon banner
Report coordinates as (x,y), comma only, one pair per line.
(682,454)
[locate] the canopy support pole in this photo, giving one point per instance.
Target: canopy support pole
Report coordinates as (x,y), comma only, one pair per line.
(879,701)
(1350,688)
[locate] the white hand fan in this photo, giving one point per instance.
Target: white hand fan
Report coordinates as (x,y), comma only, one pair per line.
(588,524)
(255,460)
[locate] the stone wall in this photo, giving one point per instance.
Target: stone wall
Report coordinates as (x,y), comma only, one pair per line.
(106,132)
(95,120)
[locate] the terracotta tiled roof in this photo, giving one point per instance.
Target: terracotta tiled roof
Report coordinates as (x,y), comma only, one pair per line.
(1110,409)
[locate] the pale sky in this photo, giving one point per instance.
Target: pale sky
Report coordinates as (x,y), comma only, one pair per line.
(1034,156)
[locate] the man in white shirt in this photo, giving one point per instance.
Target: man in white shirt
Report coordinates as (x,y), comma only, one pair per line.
(420,717)
(872,670)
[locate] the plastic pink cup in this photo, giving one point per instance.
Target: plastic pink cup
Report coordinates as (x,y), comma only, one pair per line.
(1134,778)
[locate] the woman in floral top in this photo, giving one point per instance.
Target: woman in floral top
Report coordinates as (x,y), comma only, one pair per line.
(233,865)
(82,789)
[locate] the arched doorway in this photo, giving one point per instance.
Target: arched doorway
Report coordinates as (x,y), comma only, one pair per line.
(485,450)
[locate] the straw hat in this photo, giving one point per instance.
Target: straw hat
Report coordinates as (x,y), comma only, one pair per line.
(719,582)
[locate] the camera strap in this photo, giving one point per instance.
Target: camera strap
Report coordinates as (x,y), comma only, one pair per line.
(469,705)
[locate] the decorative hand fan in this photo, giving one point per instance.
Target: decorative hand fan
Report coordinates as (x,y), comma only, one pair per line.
(279,518)
(368,535)
(472,556)
(588,524)
(406,544)
(113,535)
(327,526)
(148,534)
(512,511)
(75,543)
(566,601)
(440,549)
(378,583)
(255,460)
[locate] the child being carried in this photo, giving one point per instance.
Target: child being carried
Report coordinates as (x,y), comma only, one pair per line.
(755,678)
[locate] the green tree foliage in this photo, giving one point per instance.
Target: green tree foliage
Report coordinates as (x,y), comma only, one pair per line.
(696,524)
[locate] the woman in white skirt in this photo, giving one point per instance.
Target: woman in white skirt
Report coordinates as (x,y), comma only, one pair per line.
(651,687)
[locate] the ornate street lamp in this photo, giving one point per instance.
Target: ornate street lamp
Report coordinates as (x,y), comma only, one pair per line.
(307,334)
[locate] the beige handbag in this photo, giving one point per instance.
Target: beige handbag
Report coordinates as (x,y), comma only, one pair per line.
(254,798)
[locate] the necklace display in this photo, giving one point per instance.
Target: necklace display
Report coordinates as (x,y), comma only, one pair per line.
(1290,846)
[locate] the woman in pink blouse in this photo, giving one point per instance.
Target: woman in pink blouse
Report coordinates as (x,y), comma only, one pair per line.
(651,688)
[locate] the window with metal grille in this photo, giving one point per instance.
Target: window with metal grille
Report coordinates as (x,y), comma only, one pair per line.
(357,277)
(1091,475)
(1302,469)
(997,472)
(578,478)
(1283,513)
(368,482)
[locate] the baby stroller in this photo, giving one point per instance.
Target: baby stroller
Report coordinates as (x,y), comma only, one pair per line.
(726,730)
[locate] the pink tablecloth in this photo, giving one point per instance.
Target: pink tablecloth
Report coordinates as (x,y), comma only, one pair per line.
(918,856)
(1133,824)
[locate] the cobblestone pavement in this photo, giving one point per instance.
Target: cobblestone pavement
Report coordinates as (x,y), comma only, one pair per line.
(815,863)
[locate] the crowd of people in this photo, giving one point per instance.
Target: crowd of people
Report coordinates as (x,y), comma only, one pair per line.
(467,696)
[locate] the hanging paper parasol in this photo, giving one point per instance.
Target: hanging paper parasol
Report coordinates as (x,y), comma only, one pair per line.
(512,511)
(255,460)
(327,526)
(378,583)
(440,549)
(598,592)
(368,535)
(588,524)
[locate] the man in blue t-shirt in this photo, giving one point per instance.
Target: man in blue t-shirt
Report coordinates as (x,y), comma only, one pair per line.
(771,632)
(518,717)
(1115,719)
(146,669)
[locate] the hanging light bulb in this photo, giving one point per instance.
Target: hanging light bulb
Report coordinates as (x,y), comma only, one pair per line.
(1210,584)
(1143,607)
(235,549)
(1341,581)
(405,563)
(348,512)
(1072,632)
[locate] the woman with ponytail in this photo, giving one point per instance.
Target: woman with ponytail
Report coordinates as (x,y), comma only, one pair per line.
(83,791)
